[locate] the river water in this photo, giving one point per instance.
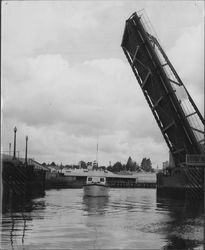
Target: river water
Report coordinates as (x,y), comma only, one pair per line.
(127,219)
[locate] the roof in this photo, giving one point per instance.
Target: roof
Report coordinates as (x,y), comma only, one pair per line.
(82,172)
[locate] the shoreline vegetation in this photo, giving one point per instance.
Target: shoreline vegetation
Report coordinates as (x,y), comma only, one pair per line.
(118,167)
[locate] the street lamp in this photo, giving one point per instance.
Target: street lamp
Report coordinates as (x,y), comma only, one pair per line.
(15,130)
(26,150)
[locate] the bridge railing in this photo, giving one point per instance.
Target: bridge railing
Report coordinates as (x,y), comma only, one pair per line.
(9,154)
(30,161)
(37,165)
(195,160)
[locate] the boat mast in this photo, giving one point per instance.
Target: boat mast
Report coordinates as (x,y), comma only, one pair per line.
(97,152)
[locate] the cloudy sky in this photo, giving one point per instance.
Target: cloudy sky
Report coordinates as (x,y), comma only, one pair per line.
(66,81)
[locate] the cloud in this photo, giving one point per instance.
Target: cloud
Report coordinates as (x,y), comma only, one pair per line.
(65,80)
(78,103)
(187,56)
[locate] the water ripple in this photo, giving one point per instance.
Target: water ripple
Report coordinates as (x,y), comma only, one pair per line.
(64,219)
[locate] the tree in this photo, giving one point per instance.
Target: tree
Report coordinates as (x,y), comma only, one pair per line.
(83,164)
(103,167)
(53,164)
(134,167)
(68,166)
(137,167)
(117,167)
(109,168)
(131,165)
(123,167)
(146,164)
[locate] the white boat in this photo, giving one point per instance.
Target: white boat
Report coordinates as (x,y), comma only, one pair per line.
(96,186)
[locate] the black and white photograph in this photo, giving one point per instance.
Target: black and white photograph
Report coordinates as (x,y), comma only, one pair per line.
(102,125)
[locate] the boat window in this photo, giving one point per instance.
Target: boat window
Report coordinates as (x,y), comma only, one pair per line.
(89,179)
(102,179)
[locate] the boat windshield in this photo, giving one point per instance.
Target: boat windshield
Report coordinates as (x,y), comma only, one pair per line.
(96,179)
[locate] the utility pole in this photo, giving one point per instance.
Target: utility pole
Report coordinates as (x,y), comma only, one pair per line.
(15,130)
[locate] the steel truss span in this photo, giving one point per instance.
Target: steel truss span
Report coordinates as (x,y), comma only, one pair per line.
(177,116)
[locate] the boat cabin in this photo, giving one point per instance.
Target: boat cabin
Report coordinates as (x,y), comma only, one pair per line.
(96,179)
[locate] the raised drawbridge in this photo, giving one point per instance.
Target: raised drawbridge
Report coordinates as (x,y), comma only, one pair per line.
(175,112)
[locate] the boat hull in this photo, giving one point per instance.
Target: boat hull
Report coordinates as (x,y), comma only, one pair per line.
(95,190)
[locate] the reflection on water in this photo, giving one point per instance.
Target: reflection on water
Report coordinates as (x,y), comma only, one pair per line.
(180,243)
(127,219)
(95,205)
(181,209)
(17,215)
(184,230)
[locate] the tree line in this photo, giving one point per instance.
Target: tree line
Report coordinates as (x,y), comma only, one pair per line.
(132,166)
